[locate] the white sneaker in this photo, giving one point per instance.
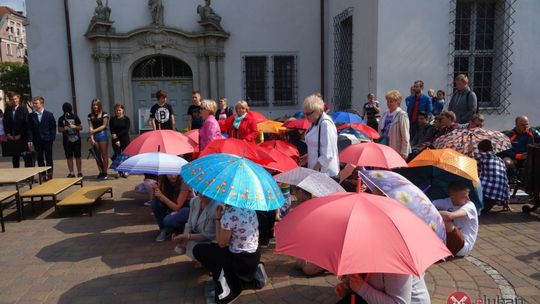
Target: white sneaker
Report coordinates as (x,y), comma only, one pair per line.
(261,277)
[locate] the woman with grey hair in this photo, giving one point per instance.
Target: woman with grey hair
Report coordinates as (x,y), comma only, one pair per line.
(210,128)
(321,138)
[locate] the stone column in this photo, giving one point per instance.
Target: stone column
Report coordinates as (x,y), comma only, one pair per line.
(102,79)
(221,75)
(115,84)
(212,60)
(203,75)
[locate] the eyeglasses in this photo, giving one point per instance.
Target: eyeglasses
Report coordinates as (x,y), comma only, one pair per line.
(308,113)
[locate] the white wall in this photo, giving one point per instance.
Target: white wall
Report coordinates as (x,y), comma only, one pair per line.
(255,26)
(525,68)
(412,44)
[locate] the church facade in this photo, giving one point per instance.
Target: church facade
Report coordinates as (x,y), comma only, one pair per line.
(275,53)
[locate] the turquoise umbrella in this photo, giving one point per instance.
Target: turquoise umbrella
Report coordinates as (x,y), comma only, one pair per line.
(235,181)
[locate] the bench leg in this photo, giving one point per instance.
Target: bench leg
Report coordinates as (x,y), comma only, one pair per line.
(2,218)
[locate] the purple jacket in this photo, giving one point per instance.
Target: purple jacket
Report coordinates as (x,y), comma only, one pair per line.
(208,132)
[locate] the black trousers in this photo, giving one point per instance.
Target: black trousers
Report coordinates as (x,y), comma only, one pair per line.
(44,154)
(230,271)
(267,220)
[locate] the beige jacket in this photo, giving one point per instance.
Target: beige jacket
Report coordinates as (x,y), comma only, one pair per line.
(398,136)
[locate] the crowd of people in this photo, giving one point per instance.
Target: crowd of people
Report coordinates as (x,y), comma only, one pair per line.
(227,240)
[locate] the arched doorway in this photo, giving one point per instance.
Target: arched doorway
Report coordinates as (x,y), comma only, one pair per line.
(161,73)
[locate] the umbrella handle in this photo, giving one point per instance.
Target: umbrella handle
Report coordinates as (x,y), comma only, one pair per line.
(353,298)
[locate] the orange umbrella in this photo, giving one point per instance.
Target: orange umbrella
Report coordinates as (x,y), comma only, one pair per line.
(448,160)
(270,126)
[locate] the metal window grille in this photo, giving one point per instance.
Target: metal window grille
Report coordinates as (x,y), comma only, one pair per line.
(160,67)
(343,32)
(284,80)
(255,80)
(481,47)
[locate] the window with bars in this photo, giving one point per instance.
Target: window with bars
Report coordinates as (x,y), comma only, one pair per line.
(481,49)
(262,72)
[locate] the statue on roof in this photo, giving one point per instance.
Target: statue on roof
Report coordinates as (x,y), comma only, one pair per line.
(208,16)
(156,8)
(102,12)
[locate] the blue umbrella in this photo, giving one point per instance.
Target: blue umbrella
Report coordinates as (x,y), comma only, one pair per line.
(156,163)
(235,181)
(358,134)
(346,117)
(299,115)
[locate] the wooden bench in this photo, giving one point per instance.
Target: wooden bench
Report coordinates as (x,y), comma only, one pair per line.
(85,196)
(7,198)
(51,188)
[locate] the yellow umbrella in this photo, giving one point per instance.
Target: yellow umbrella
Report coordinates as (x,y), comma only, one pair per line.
(270,126)
(448,160)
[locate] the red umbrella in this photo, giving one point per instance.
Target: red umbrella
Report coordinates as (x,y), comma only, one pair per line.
(297,124)
(283,162)
(372,155)
(238,147)
(193,136)
(370,234)
(166,141)
(258,116)
(282,146)
(369,131)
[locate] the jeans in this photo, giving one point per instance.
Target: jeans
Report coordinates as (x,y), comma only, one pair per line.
(165,218)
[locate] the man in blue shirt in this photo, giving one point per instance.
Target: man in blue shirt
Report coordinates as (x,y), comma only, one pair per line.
(419,102)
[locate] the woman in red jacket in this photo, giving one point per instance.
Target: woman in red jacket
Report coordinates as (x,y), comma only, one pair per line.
(242,125)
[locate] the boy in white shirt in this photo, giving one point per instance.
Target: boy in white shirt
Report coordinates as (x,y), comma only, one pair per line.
(460,217)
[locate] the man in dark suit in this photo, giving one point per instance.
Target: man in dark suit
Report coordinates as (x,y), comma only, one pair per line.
(16,127)
(42,133)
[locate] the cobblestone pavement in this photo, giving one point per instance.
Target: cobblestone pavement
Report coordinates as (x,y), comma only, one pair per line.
(110,257)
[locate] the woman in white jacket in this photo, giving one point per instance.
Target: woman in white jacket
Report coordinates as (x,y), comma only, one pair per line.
(394,125)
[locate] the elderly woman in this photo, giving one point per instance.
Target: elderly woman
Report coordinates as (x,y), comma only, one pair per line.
(210,128)
(321,138)
(224,111)
(242,125)
(234,260)
(394,126)
(200,227)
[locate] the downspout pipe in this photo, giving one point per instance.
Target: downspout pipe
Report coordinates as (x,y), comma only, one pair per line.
(70,57)
(322,46)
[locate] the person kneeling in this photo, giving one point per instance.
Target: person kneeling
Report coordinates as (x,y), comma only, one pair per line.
(168,205)
(235,260)
(460,218)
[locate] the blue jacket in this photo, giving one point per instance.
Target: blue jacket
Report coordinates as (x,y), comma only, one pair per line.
(44,130)
(425,105)
(521,141)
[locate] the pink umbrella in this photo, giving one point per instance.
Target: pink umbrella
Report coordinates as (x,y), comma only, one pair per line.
(193,136)
(166,141)
(372,155)
(348,233)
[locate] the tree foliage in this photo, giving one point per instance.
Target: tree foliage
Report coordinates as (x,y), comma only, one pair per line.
(14,77)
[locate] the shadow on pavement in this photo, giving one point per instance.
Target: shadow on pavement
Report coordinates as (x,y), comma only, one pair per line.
(163,284)
(531,257)
(100,222)
(115,249)
(293,293)
(508,217)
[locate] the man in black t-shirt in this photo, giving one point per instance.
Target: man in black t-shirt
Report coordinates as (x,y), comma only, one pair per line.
(162,113)
(195,120)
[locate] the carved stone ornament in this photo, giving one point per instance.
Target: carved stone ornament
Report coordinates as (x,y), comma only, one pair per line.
(157,39)
(209,19)
(156,9)
(102,12)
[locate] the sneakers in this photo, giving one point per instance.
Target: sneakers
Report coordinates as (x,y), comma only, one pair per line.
(261,278)
(179,250)
(70,175)
(102,176)
(148,203)
(263,244)
(79,175)
(163,235)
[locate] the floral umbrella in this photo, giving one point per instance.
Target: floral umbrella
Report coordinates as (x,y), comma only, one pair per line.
(401,189)
(466,140)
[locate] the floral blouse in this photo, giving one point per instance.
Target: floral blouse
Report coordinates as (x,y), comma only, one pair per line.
(244,228)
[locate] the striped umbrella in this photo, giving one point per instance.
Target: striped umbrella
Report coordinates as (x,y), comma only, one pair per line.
(153,163)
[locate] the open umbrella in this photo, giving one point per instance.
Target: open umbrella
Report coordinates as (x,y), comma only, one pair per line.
(466,140)
(365,129)
(401,189)
(238,147)
(369,234)
(235,181)
(282,163)
(282,146)
(371,155)
(297,124)
(193,136)
(448,160)
(434,182)
(314,182)
(156,163)
(259,117)
(361,136)
(166,141)
(270,126)
(346,117)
